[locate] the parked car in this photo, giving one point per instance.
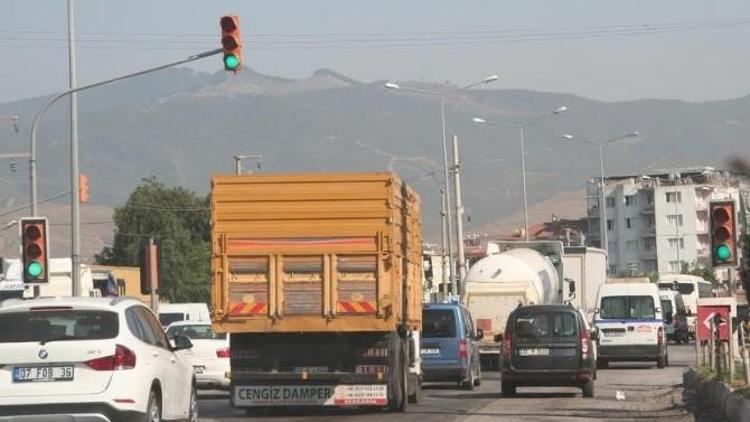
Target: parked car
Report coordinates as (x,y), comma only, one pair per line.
(449,345)
(675,316)
(209,354)
(91,359)
(171,312)
(630,324)
(547,346)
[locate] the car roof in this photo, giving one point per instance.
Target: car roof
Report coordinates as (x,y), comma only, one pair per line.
(626,289)
(547,308)
(103,303)
(448,305)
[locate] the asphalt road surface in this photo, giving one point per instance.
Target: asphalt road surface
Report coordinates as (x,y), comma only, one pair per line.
(651,394)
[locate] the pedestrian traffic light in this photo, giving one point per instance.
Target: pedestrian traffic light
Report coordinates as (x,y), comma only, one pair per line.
(723,234)
(231,42)
(34,250)
(83,188)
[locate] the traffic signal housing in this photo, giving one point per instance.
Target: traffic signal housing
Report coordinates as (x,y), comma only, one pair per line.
(35,250)
(231,42)
(83,188)
(723,234)
(149,262)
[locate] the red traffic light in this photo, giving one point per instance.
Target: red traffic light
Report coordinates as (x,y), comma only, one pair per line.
(34,250)
(723,234)
(231,42)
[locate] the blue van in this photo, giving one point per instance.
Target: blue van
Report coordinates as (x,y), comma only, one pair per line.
(449,345)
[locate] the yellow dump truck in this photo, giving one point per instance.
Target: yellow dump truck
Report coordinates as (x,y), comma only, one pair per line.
(317,278)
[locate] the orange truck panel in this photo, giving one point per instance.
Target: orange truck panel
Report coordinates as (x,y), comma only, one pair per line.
(329,252)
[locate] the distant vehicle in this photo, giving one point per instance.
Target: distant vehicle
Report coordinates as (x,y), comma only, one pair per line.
(547,346)
(209,354)
(105,282)
(172,312)
(529,273)
(691,288)
(92,359)
(449,345)
(675,316)
(60,280)
(630,324)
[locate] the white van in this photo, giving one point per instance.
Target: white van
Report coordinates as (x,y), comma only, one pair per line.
(171,312)
(630,324)
(675,316)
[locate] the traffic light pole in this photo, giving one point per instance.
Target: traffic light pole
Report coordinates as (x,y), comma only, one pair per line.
(75,217)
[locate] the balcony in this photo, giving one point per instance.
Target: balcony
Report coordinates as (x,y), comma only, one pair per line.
(647,209)
(701,229)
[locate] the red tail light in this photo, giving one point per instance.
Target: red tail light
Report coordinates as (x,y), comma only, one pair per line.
(506,346)
(584,344)
(223,352)
(123,358)
(463,349)
(660,336)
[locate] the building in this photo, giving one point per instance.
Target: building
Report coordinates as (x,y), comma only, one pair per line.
(659,222)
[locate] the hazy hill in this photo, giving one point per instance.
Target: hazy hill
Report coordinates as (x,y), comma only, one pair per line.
(183,126)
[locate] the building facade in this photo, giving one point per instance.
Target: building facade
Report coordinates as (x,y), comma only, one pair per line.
(660,221)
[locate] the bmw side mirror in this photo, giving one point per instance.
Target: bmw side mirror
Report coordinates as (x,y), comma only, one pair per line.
(480,334)
(182,343)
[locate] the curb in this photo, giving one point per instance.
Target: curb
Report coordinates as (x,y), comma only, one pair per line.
(733,406)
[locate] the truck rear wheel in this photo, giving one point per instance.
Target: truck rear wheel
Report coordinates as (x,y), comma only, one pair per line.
(398,397)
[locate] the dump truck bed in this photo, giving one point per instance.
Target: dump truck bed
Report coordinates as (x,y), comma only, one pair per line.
(315,252)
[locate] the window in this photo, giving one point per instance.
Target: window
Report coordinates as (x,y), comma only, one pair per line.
(682,288)
(675,266)
(438,323)
(632,245)
(532,325)
(666,306)
(613,269)
(649,244)
(167,318)
(674,220)
(610,202)
(649,222)
(160,338)
(674,197)
(675,242)
(61,325)
(633,307)
(610,224)
(631,200)
(195,331)
(631,223)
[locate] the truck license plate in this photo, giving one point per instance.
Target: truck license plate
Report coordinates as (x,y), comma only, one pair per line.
(42,373)
(311,395)
(533,352)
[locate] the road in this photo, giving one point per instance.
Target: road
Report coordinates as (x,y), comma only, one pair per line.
(650,395)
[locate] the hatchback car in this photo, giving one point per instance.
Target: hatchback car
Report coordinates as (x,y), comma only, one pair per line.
(209,354)
(547,346)
(93,359)
(449,345)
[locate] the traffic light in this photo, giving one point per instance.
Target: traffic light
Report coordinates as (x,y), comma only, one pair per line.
(83,188)
(723,234)
(149,262)
(231,42)
(35,250)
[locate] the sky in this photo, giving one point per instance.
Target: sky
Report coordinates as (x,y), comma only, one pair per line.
(695,50)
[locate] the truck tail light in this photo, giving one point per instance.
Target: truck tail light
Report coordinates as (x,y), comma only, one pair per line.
(223,353)
(507,341)
(584,344)
(660,336)
(123,358)
(463,349)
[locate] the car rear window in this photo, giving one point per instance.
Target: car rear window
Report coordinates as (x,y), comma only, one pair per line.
(627,307)
(438,323)
(167,318)
(537,325)
(58,325)
(195,332)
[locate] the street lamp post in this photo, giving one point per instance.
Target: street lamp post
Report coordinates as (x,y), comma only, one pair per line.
(442,96)
(522,132)
(602,204)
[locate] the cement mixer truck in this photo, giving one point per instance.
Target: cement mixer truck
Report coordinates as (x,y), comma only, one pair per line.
(525,273)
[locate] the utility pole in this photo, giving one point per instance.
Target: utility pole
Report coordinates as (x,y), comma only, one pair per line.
(459,217)
(75,204)
(444,239)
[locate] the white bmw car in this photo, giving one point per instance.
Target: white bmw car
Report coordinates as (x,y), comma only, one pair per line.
(209,354)
(91,359)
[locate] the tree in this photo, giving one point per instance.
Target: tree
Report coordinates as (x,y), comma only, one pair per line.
(179,220)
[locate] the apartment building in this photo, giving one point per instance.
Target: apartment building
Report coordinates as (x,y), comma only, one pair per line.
(658,221)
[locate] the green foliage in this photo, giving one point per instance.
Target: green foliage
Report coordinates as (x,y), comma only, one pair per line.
(703,271)
(179,221)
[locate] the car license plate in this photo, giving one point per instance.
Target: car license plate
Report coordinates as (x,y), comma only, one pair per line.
(199,369)
(42,373)
(614,333)
(431,351)
(533,352)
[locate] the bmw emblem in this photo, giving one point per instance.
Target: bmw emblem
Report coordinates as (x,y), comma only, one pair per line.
(43,354)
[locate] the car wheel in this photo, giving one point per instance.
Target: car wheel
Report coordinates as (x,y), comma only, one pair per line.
(193,413)
(588,388)
(509,390)
(153,411)
(478,379)
(470,381)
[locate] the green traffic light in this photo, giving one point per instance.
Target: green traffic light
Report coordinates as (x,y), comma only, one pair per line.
(34,269)
(723,252)
(231,62)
